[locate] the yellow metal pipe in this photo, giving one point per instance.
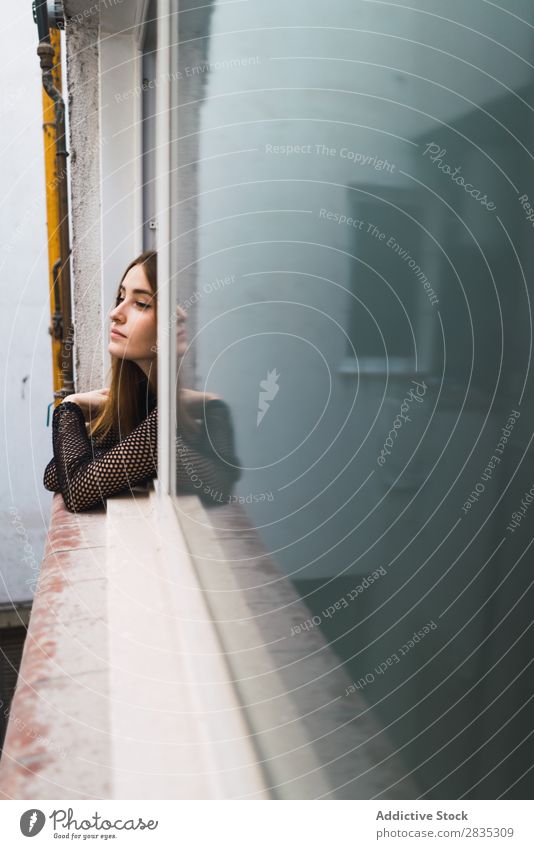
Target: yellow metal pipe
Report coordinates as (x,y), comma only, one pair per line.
(52,179)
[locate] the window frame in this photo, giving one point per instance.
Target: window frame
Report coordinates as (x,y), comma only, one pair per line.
(166,480)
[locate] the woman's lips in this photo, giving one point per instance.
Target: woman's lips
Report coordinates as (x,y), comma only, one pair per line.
(117,333)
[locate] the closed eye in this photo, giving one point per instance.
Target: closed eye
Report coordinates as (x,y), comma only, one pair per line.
(141,304)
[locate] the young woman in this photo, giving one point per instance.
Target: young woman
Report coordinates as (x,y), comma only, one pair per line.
(105,441)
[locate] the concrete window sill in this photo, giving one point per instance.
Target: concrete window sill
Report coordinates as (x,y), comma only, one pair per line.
(150,669)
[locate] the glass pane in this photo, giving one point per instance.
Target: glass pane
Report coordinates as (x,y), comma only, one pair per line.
(353,203)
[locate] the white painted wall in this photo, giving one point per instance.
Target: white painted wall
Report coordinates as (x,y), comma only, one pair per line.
(26,383)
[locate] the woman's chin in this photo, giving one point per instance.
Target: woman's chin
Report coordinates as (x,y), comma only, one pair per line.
(115,348)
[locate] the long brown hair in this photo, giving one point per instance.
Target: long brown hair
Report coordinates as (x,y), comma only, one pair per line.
(129,392)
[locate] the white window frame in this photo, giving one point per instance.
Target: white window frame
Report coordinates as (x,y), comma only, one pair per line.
(166,481)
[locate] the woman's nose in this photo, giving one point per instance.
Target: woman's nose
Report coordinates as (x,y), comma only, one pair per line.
(181,313)
(116,313)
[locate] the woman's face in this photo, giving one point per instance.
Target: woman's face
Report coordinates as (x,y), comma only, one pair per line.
(133,334)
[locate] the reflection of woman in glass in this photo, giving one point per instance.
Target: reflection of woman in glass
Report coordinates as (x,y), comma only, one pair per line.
(118,447)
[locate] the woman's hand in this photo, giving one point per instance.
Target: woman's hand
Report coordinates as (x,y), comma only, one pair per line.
(194,401)
(90,403)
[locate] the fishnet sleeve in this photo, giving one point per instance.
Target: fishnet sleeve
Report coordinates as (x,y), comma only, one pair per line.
(85,476)
(50,478)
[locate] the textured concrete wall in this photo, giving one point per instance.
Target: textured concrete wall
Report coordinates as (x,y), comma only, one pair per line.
(83,81)
(120,163)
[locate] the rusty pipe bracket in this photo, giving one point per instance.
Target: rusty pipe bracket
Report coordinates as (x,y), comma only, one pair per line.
(46,53)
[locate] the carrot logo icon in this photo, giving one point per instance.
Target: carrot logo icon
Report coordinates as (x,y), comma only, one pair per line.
(270,389)
(31,822)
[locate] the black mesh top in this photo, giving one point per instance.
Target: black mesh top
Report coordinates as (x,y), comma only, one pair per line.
(86,471)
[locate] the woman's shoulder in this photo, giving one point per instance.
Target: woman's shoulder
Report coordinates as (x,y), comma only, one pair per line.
(217,429)
(216,404)
(217,414)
